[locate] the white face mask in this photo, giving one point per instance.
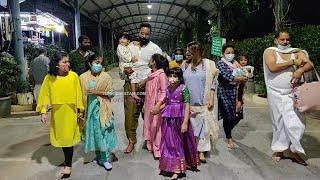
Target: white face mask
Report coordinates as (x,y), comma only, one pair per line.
(229,57)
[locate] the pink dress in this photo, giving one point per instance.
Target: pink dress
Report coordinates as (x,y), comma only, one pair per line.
(155,92)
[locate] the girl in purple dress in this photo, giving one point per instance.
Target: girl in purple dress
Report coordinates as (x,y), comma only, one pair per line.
(178,148)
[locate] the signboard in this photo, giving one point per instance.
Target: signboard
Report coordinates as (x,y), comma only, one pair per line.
(216,47)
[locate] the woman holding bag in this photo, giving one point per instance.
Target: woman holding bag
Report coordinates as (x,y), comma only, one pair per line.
(283,67)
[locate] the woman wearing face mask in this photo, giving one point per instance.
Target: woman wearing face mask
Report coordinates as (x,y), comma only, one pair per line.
(227,91)
(178,59)
(200,78)
(155,94)
(283,67)
(99,132)
(61,90)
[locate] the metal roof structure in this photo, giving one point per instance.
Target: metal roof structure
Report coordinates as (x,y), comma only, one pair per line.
(166,17)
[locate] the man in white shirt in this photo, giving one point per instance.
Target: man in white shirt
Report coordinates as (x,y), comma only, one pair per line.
(132,108)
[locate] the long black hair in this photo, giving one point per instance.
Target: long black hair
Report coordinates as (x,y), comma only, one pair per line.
(179,73)
(161,62)
(226,46)
(54,62)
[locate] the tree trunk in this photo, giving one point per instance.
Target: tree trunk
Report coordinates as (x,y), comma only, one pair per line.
(277,14)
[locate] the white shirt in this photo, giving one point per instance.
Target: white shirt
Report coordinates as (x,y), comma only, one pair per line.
(147,51)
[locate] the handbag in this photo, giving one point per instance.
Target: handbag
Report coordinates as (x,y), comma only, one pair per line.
(307,96)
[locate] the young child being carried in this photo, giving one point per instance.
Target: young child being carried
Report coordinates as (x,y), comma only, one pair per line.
(129,53)
(246,71)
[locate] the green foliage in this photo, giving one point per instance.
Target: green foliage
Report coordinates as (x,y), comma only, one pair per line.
(307,38)
(52,49)
(108,59)
(234,16)
(31,51)
(8,75)
(23,86)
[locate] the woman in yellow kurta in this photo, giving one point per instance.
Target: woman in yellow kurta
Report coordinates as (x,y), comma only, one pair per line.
(62,91)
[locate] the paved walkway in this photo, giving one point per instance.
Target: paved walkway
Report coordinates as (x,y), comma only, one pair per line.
(25,152)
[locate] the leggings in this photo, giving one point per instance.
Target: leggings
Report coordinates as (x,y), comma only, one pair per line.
(102,156)
(68,153)
(228,125)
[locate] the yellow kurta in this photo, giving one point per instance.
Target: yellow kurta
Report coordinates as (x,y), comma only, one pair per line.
(65,97)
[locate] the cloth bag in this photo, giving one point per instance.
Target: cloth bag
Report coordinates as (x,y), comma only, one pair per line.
(307,96)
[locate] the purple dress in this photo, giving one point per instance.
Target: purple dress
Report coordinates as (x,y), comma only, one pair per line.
(178,150)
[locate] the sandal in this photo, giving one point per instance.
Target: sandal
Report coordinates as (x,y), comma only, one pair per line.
(65,174)
(297,159)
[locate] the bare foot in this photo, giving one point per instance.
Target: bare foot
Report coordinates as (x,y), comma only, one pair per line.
(202,157)
(174,176)
(277,156)
(66,170)
(298,159)
(129,148)
(231,144)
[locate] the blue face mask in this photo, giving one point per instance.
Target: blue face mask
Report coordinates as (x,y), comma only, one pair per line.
(282,47)
(96,68)
(178,57)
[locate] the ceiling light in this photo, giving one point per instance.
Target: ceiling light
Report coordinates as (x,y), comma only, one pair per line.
(149,17)
(59,28)
(149,6)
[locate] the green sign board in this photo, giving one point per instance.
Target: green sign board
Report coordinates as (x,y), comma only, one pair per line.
(216,46)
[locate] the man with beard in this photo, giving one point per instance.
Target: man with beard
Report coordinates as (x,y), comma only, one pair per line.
(132,111)
(78,57)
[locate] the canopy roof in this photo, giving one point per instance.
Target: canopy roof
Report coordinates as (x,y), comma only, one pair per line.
(166,17)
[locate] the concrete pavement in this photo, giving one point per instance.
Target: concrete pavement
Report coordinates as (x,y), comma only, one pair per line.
(25,152)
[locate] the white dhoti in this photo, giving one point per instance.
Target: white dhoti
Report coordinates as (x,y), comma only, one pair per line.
(288,124)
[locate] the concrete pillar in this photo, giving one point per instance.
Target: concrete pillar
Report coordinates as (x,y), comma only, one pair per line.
(52,37)
(18,41)
(100,35)
(77,26)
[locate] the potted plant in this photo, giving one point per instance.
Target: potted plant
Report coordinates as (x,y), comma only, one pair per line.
(24,95)
(8,77)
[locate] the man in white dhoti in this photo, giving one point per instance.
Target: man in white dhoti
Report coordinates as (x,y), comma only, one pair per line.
(283,66)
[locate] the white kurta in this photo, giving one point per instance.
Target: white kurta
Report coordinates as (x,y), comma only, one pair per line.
(288,124)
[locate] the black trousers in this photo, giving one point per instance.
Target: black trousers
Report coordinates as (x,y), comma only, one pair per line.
(228,125)
(68,153)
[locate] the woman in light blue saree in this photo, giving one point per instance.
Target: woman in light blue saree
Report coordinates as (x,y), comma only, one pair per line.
(99,130)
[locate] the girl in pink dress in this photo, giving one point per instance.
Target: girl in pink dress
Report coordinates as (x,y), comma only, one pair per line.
(155,94)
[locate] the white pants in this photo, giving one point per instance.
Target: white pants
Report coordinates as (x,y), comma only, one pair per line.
(288,125)
(205,127)
(36,91)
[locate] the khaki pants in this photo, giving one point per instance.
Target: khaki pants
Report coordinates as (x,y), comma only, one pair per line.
(132,113)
